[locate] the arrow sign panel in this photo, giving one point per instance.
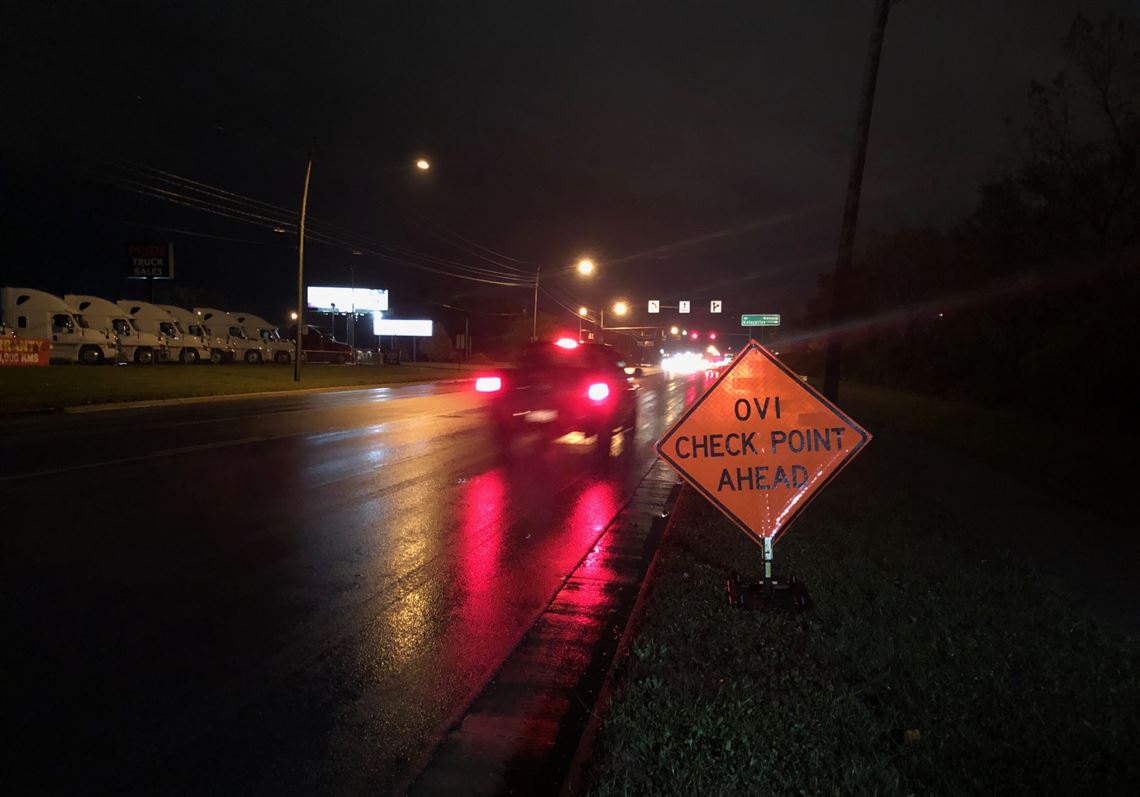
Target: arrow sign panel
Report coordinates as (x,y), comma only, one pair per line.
(714,306)
(683,306)
(655,305)
(761,443)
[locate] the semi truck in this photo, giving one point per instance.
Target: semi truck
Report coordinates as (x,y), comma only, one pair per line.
(152,318)
(221,323)
(213,347)
(318,346)
(135,345)
(36,314)
(280,350)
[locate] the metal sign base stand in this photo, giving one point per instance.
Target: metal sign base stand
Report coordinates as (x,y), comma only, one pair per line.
(770,594)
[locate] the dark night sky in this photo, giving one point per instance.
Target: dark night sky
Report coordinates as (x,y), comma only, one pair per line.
(556,129)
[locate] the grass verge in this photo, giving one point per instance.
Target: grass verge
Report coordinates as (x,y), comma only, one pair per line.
(68,386)
(934,662)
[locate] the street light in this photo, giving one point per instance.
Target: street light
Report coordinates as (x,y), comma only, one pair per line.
(621,308)
(585,266)
(673,330)
(293,316)
(422,164)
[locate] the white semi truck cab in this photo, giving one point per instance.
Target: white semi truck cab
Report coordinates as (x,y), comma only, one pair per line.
(154,319)
(135,345)
(247,349)
(211,347)
(280,350)
(36,314)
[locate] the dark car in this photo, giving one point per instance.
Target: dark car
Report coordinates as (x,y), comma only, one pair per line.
(318,346)
(563,387)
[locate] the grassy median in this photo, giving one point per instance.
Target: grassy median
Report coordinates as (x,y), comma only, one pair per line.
(60,386)
(938,659)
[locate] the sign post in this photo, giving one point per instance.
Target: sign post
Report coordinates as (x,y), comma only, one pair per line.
(760,444)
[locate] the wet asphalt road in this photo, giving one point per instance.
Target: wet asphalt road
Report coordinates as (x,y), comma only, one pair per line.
(282,595)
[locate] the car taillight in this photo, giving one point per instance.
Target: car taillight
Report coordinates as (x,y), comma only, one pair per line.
(488,384)
(599,391)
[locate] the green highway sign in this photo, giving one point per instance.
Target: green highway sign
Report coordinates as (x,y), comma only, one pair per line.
(760,320)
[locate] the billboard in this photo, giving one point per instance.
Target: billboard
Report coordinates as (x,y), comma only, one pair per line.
(343,300)
(150,261)
(409,327)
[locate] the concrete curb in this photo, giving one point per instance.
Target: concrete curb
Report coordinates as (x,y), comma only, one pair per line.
(522,729)
(576,780)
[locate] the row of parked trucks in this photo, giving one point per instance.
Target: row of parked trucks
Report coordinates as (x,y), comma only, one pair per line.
(91,330)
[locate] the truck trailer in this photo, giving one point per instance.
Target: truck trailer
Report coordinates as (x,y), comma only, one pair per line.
(36,314)
(156,320)
(221,323)
(280,350)
(135,345)
(213,347)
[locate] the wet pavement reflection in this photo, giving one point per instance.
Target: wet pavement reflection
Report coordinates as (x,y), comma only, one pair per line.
(299,598)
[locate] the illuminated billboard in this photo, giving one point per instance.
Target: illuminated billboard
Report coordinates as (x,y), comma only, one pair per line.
(343,300)
(408,327)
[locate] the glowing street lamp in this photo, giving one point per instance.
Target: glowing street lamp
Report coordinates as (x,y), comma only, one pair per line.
(585,266)
(423,164)
(621,308)
(582,311)
(673,330)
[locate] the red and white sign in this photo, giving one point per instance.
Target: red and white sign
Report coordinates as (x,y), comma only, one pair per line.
(24,351)
(761,443)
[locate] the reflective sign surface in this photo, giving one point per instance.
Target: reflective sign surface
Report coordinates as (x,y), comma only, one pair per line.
(761,443)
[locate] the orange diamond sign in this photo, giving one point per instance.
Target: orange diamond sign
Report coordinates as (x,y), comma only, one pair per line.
(761,443)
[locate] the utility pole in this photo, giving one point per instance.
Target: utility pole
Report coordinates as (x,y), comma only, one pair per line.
(841,278)
(301,270)
(534,321)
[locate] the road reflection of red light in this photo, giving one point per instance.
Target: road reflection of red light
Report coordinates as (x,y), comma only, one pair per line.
(480,544)
(594,508)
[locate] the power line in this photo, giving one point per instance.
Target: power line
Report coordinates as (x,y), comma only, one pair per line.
(243,212)
(250,204)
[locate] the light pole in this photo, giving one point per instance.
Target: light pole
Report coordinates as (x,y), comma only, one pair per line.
(582,311)
(301,270)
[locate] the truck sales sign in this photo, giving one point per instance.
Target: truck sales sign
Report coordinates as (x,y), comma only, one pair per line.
(761,443)
(24,351)
(150,261)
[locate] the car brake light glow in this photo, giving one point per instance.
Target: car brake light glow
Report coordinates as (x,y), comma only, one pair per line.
(599,391)
(566,343)
(488,384)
